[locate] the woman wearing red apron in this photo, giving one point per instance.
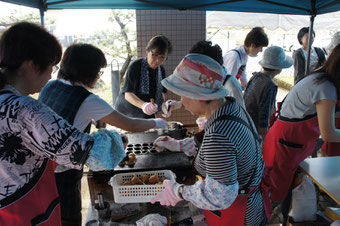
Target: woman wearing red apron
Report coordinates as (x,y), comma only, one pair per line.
(31,134)
(229,157)
(307,111)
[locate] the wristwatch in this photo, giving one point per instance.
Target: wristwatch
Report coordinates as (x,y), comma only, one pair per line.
(180,190)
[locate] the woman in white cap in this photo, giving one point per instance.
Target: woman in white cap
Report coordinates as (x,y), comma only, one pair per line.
(307,112)
(229,158)
(261,91)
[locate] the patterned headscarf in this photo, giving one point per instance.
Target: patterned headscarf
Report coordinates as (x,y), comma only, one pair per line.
(197,77)
(144,84)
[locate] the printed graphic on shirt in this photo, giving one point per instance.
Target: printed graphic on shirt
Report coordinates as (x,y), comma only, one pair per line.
(12,149)
(30,133)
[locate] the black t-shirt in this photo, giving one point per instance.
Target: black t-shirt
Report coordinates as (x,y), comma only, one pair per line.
(132,84)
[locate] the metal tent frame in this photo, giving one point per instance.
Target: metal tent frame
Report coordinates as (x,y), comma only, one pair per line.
(295,7)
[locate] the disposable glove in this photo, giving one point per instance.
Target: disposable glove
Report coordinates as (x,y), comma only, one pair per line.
(169,106)
(186,145)
(201,122)
(160,123)
(149,108)
(169,196)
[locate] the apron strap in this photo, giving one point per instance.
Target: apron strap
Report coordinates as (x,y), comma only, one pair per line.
(245,190)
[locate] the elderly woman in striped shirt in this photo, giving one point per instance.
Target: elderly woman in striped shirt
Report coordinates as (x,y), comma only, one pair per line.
(229,158)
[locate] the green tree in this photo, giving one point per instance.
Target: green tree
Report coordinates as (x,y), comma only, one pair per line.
(15,17)
(119,43)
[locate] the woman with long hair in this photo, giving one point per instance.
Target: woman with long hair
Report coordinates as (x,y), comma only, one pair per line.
(308,111)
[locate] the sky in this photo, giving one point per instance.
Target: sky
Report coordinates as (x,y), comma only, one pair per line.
(73,21)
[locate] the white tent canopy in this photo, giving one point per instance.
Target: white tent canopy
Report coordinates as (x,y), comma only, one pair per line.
(239,20)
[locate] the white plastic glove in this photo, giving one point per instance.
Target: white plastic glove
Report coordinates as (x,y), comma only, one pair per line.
(201,122)
(169,196)
(186,145)
(169,106)
(160,123)
(149,108)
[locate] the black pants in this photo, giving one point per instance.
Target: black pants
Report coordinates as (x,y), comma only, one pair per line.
(69,189)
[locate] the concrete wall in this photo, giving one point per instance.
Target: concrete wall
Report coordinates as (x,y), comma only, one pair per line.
(184,29)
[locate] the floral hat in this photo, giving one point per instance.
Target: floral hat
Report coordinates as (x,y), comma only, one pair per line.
(198,77)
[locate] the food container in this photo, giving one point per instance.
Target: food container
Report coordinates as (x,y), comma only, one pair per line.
(137,193)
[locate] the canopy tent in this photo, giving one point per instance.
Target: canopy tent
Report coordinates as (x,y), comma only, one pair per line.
(298,7)
(221,20)
(293,7)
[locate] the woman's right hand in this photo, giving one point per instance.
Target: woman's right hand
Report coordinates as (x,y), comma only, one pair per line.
(149,108)
(186,145)
(166,142)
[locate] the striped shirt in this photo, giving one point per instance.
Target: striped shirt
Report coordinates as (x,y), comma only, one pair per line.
(229,154)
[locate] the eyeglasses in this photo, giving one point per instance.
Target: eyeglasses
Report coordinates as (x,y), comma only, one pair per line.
(55,68)
(159,57)
(100,73)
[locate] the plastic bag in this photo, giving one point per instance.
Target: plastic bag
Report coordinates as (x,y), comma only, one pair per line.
(152,220)
(304,201)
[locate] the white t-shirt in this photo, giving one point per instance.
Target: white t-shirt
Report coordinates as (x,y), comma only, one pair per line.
(233,62)
(314,59)
(235,90)
(92,108)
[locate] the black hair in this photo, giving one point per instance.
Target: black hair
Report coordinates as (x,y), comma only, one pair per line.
(269,69)
(256,36)
(26,41)
(81,63)
(302,32)
(206,48)
(160,43)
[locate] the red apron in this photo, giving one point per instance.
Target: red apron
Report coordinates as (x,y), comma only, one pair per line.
(34,204)
(235,214)
(287,144)
(332,148)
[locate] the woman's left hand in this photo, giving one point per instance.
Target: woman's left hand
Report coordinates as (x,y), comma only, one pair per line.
(201,122)
(186,145)
(169,106)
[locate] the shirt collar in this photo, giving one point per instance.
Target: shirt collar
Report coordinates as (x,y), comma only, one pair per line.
(69,83)
(11,89)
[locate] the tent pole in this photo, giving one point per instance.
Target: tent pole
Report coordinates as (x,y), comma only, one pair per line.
(42,9)
(310,35)
(42,21)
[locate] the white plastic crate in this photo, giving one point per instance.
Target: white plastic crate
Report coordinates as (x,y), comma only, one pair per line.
(137,193)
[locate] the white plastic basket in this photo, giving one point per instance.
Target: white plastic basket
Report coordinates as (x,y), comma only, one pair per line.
(137,193)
